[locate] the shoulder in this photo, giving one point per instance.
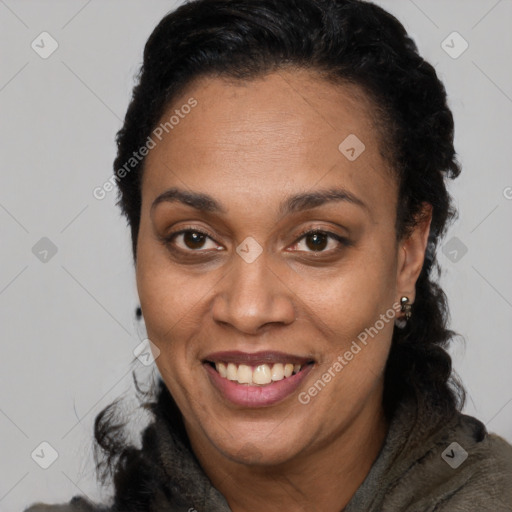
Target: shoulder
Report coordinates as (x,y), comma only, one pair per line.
(453,465)
(76,504)
(466,468)
(486,457)
(483,481)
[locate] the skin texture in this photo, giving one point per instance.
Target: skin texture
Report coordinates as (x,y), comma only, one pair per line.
(251,145)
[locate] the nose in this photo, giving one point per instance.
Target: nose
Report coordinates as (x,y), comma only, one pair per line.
(253,296)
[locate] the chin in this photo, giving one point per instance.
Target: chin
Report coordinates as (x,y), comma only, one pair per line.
(268,448)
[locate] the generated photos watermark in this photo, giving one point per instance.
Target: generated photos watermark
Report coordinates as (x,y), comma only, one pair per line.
(156,136)
(342,360)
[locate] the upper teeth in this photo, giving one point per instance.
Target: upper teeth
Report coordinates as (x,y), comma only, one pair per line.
(261,374)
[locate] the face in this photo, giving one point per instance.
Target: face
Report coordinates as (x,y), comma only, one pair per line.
(266,253)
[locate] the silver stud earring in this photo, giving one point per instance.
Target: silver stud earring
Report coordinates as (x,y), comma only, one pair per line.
(405,307)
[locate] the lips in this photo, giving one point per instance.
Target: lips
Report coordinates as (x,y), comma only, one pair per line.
(256,379)
(254,359)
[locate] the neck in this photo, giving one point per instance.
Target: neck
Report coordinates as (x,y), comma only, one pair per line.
(325,478)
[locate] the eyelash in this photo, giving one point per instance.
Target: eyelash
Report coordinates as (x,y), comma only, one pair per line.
(167,240)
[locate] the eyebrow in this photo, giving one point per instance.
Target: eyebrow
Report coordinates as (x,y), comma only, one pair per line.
(296,203)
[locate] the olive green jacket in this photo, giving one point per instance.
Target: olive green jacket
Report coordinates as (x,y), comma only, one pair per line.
(427,464)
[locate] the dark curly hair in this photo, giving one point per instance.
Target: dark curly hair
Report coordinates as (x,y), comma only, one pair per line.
(344,41)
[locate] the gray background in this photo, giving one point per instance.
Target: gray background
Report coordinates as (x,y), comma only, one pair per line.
(66,324)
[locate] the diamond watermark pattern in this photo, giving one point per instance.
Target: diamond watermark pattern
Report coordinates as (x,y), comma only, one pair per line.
(454,455)
(352,147)
(454,45)
(44,455)
(44,250)
(44,45)
(146,352)
(249,250)
(454,249)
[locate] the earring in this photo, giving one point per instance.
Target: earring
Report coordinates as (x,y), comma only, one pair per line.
(405,307)
(139,325)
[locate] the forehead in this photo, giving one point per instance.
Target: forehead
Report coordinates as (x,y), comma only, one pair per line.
(286,131)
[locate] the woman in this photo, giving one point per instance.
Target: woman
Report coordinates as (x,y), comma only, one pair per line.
(282,167)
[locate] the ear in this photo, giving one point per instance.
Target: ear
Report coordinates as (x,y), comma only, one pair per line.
(411,254)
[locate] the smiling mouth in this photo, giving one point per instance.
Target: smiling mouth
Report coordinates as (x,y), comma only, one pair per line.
(257,375)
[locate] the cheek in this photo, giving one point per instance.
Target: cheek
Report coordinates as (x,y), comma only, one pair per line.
(354,296)
(353,312)
(167,294)
(169,304)
(354,343)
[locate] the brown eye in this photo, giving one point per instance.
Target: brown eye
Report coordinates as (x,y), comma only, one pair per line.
(193,239)
(189,240)
(317,241)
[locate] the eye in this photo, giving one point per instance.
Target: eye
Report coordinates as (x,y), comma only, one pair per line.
(317,240)
(192,240)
